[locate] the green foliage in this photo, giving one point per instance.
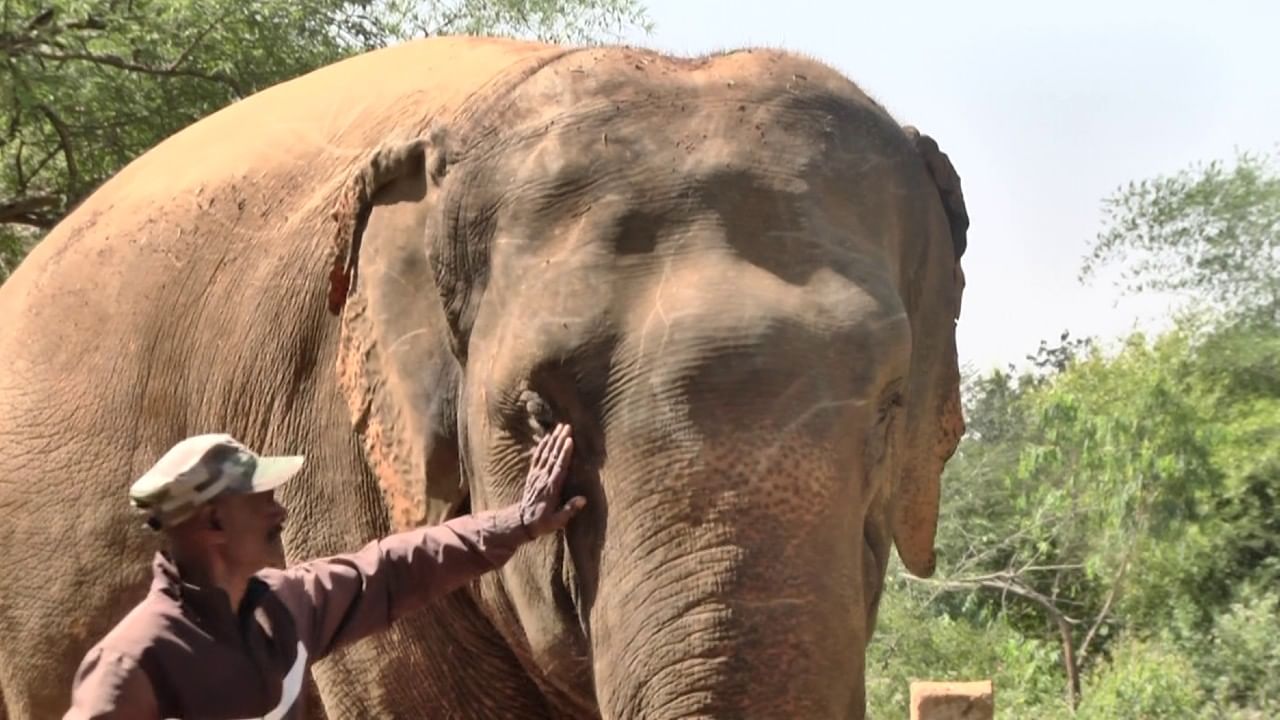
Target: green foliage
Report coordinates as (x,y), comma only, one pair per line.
(88,85)
(1118,451)
(1240,658)
(1131,494)
(913,641)
(1122,507)
(1212,230)
(576,21)
(15,243)
(1143,681)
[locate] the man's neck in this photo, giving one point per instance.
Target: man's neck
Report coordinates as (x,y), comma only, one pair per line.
(209,572)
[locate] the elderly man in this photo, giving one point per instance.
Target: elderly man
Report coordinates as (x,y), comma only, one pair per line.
(221,635)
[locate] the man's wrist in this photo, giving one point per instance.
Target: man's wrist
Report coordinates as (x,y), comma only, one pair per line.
(513,518)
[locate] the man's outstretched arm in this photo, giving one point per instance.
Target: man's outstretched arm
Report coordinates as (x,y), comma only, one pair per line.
(343,598)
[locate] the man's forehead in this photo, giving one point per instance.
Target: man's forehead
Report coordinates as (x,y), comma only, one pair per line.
(244,500)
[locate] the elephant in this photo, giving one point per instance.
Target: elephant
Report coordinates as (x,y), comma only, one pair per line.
(735,275)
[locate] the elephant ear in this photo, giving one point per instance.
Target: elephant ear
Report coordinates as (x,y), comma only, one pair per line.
(947,180)
(395,368)
(935,420)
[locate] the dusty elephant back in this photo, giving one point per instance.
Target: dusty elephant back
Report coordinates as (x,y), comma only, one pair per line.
(188,294)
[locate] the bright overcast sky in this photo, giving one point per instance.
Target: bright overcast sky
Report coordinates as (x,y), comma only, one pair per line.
(1045,109)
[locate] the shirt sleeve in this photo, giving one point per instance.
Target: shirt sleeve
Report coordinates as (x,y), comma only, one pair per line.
(110,685)
(343,598)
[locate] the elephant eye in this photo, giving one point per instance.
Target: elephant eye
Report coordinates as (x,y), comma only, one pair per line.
(890,398)
(538,411)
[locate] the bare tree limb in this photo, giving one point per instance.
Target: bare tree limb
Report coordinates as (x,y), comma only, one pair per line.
(118,62)
(446,23)
(20,175)
(1004,583)
(39,166)
(200,36)
(1052,568)
(38,211)
(42,18)
(1102,614)
(64,140)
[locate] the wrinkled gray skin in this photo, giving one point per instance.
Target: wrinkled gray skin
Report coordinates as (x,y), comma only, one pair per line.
(736,277)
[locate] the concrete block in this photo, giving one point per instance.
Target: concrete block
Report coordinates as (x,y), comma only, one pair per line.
(952,700)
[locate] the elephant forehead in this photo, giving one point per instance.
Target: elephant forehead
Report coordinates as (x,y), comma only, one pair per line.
(641,205)
(661,148)
(617,80)
(620,178)
(619,113)
(625,169)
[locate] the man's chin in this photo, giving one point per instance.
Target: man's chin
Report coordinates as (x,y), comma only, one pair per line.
(275,553)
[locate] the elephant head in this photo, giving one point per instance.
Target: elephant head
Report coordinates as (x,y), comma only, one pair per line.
(738,279)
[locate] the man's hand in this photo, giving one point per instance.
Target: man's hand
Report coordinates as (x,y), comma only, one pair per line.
(540,509)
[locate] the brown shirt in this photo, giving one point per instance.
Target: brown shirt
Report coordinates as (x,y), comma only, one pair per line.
(184,653)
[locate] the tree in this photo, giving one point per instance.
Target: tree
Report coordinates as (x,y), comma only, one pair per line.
(1110,543)
(1100,462)
(89,85)
(1119,507)
(1212,230)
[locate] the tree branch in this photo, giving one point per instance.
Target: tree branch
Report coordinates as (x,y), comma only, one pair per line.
(38,211)
(446,23)
(1004,583)
(200,36)
(118,62)
(20,175)
(1106,605)
(36,170)
(1051,568)
(36,34)
(64,139)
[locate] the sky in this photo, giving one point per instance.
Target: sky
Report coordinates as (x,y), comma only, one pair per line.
(1045,109)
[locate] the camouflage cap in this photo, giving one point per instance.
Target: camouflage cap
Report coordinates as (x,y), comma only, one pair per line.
(201,468)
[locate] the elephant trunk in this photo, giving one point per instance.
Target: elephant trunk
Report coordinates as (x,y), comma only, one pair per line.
(735,582)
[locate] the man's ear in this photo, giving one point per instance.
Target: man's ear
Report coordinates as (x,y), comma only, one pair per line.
(205,520)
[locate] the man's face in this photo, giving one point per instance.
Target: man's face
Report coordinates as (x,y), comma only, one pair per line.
(251,526)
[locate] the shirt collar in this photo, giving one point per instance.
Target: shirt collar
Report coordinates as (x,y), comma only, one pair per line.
(205,602)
